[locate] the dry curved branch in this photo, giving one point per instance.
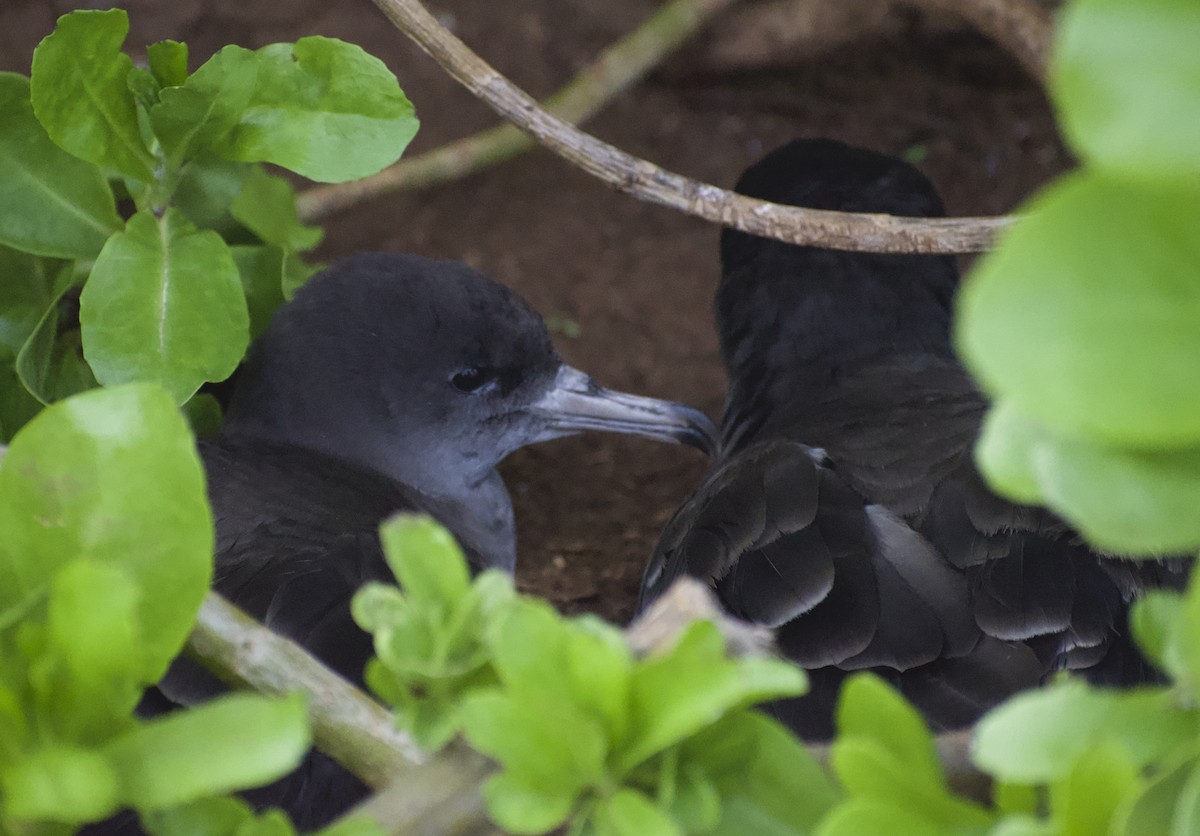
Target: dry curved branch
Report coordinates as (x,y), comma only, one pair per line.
(646,181)
(1022,27)
(618,67)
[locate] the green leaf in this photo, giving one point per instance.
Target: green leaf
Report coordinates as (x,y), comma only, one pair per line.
(1038,736)
(543,743)
(207,187)
(761,772)
(1154,621)
(164,303)
(207,817)
(233,742)
(1153,808)
(17,406)
(1024,826)
(111,476)
(51,203)
(521,808)
(425,558)
(80,95)
(867,769)
(1128,501)
(324,109)
(28,286)
(1125,78)
(261,272)
(629,813)
(862,816)
(267,207)
(1086,801)
(92,631)
(296,273)
(1085,316)
(169,62)
(677,694)
(203,413)
(59,784)
(50,363)
(207,106)
(599,666)
(872,709)
(1186,820)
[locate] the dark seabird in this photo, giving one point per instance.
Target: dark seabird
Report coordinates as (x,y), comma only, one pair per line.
(845,510)
(389,382)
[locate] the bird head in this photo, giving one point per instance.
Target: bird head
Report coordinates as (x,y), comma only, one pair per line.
(428,371)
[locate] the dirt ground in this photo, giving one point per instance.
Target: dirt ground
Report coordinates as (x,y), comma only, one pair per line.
(637,279)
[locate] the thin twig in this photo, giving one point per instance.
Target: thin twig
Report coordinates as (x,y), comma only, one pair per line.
(1022,27)
(646,181)
(618,67)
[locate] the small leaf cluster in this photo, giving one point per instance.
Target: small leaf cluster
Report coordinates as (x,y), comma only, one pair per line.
(1085,322)
(429,641)
(141,238)
(106,556)
(585,732)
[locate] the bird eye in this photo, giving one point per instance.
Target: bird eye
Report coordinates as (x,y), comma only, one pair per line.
(471,379)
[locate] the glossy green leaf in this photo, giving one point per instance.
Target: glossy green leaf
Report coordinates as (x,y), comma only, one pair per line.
(203,413)
(324,109)
(1038,736)
(80,94)
(144,87)
(1085,316)
(628,812)
(520,807)
(50,363)
(51,203)
(233,742)
(164,303)
(206,189)
(206,107)
(17,406)
(169,62)
(425,558)
(677,694)
(1132,502)
(267,207)
(59,784)
(261,271)
(872,709)
(110,476)
(28,286)
(1125,77)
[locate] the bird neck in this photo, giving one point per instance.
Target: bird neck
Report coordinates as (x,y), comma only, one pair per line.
(480,516)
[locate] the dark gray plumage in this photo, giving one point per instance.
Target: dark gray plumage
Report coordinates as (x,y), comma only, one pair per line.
(388,383)
(844,509)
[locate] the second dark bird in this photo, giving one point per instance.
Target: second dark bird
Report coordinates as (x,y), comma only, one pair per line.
(845,510)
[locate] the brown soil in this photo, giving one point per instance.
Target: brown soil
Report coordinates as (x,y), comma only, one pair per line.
(637,279)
